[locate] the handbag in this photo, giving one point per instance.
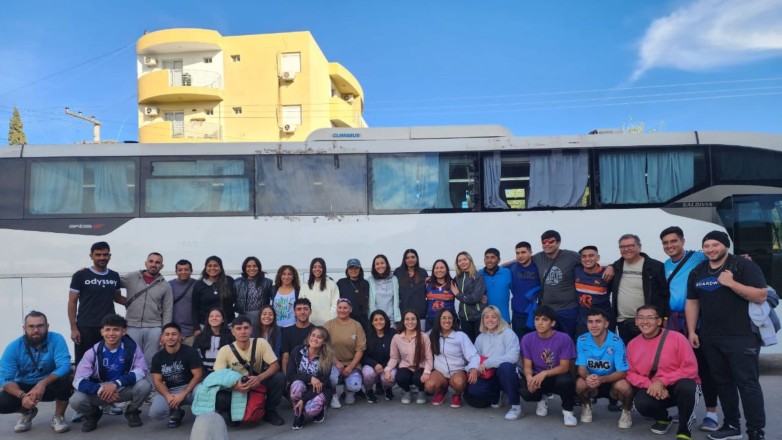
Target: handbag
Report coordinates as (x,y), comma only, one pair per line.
(489,371)
(256,397)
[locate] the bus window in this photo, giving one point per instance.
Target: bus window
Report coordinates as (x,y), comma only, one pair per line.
(747,165)
(79,187)
(428,182)
(637,177)
(197,186)
(312,185)
(12,189)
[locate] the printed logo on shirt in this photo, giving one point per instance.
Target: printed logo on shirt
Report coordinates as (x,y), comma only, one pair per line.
(598,364)
(101,282)
(709,284)
(554,276)
(548,358)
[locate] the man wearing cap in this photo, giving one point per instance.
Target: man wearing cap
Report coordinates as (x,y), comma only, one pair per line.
(719,291)
(356,289)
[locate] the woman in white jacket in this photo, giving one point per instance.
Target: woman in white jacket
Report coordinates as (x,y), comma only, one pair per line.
(498,348)
(455,360)
(322,292)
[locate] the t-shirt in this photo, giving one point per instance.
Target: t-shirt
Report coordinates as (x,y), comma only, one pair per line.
(547,354)
(283,307)
(498,290)
(678,285)
(592,291)
(346,339)
(631,290)
(293,336)
(176,368)
(523,279)
(264,355)
(559,290)
(183,304)
(439,298)
(724,312)
(601,360)
(96,295)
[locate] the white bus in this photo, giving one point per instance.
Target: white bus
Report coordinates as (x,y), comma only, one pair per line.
(355,193)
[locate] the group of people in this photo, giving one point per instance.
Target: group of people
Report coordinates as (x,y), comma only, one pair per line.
(533,327)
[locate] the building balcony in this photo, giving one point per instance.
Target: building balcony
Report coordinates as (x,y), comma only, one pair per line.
(166,85)
(346,83)
(179,131)
(343,113)
(171,41)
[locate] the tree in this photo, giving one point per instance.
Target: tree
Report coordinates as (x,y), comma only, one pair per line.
(633,127)
(16,134)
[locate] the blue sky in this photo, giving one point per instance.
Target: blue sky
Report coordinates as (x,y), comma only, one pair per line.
(537,68)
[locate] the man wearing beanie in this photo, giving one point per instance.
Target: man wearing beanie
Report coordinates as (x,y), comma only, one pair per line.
(719,291)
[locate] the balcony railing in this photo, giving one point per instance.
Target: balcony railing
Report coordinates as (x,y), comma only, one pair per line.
(195,78)
(196,130)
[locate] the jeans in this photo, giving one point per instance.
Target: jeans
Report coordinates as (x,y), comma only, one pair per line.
(566,321)
(159,408)
(519,324)
(148,339)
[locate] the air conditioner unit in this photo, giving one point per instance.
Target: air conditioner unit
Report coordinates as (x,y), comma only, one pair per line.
(348,97)
(150,61)
(150,111)
(288,75)
(289,128)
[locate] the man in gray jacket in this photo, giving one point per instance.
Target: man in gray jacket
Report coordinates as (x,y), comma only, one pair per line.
(149,303)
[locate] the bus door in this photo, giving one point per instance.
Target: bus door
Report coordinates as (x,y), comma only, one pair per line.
(754,222)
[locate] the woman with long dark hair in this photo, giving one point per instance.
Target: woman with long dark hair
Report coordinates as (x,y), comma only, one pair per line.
(411,278)
(384,289)
(455,360)
(322,293)
(441,292)
(215,335)
(253,290)
(286,292)
(214,289)
(268,329)
(376,357)
(411,356)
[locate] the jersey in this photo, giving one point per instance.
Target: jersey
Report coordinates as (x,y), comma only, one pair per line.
(601,360)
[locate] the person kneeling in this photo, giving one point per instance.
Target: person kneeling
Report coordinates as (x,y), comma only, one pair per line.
(309,371)
(112,371)
(176,371)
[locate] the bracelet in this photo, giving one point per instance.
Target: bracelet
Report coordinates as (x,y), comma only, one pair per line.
(21,396)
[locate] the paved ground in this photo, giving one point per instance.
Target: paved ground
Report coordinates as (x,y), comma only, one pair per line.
(392,420)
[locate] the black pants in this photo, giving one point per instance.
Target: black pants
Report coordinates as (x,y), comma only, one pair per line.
(274,388)
(734,367)
(89,337)
(627,330)
(471,329)
(60,390)
(684,394)
(562,385)
(708,385)
(519,324)
(406,377)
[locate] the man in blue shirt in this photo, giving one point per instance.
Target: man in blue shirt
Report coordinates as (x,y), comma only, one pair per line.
(35,368)
(602,367)
(525,283)
(497,280)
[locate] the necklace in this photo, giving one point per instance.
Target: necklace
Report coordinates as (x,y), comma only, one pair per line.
(717,269)
(355,287)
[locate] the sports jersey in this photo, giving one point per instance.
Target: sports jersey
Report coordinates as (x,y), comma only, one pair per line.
(601,360)
(592,291)
(678,285)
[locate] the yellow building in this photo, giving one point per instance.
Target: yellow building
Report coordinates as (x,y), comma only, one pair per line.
(197,85)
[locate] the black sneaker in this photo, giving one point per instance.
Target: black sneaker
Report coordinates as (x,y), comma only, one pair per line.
(371,397)
(389,394)
(726,432)
(613,405)
(378,388)
(298,421)
(321,416)
(661,426)
(90,421)
(756,435)
(176,419)
(134,418)
(273,418)
(360,394)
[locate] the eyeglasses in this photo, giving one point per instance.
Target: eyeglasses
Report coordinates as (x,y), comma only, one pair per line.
(549,241)
(627,246)
(36,326)
(646,318)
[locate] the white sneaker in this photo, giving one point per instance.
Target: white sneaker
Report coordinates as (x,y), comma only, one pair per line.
(514,413)
(59,424)
(626,419)
(77,418)
(569,418)
(420,398)
(335,402)
(542,409)
(586,414)
(350,397)
(407,398)
(26,420)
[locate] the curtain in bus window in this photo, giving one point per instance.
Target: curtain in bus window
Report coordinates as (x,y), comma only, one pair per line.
(558,180)
(56,188)
(670,174)
(492,172)
(205,191)
(236,191)
(111,188)
(410,181)
(623,178)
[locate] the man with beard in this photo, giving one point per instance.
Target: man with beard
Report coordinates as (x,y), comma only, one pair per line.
(34,368)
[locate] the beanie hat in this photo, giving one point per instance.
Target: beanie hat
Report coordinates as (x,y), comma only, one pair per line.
(719,236)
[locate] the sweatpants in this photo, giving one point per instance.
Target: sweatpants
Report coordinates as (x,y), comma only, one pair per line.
(562,385)
(684,394)
(505,378)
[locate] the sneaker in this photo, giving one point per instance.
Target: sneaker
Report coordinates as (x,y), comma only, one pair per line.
(90,422)
(586,414)
(726,432)
(378,388)
(360,394)
(134,418)
(613,405)
(420,398)
(626,419)
(26,420)
(542,409)
(77,418)
(298,421)
(661,426)
(438,398)
(319,417)
(176,419)
(335,402)
(683,437)
(709,424)
(756,435)
(514,413)
(350,397)
(456,401)
(389,393)
(407,398)
(371,398)
(569,418)
(59,424)
(113,409)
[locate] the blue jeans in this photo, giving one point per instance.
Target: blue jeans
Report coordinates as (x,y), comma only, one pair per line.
(566,321)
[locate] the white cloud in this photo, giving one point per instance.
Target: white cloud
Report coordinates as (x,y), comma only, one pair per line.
(705,34)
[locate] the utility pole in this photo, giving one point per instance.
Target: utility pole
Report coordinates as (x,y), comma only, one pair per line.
(91,119)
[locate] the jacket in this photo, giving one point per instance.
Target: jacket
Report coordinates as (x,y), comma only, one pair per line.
(153,308)
(206,394)
(240,286)
(412,295)
(472,289)
(765,322)
(324,302)
(456,354)
(394,315)
(204,299)
(16,365)
(293,373)
(655,285)
(498,348)
(378,350)
(90,372)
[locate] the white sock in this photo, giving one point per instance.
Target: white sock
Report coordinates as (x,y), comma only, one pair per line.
(515,407)
(713,416)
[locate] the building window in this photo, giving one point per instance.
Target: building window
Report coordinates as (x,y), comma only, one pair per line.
(291,115)
(237,110)
(291,62)
(209,112)
(236,58)
(208,60)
